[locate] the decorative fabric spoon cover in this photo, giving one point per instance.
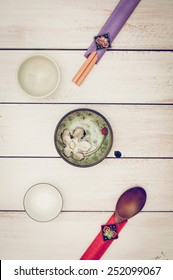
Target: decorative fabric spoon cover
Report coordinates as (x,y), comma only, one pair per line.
(129,204)
(99,245)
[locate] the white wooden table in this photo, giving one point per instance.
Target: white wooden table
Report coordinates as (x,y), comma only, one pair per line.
(131,86)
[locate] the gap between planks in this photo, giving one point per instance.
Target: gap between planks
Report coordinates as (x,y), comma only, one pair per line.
(83,211)
(85,103)
(58,157)
(82,50)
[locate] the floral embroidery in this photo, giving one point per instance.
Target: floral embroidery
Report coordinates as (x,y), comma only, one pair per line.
(102,41)
(109,232)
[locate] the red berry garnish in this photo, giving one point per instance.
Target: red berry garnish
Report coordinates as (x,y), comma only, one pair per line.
(104,131)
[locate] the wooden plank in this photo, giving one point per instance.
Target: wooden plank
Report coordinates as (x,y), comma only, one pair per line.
(90,189)
(139,131)
(121,77)
(72,24)
(142,238)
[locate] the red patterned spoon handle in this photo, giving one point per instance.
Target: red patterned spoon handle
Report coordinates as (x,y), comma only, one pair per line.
(98,247)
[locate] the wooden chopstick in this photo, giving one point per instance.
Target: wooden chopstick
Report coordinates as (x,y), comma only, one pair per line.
(85,68)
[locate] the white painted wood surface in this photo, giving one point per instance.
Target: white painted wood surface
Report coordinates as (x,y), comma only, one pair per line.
(131,86)
(88,189)
(73,23)
(139,131)
(124,77)
(23,238)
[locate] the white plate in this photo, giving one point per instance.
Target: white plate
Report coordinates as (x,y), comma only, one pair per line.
(43,202)
(38,76)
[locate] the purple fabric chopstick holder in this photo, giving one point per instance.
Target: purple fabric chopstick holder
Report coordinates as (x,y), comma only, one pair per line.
(113,25)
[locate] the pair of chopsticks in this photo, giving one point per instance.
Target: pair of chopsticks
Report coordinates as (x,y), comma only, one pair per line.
(112,27)
(85,68)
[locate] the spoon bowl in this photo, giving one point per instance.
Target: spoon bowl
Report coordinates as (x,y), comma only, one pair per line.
(129,204)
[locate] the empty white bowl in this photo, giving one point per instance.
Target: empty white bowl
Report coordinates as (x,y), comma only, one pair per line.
(43,202)
(38,76)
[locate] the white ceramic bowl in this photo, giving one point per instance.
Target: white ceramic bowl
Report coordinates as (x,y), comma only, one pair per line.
(38,76)
(43,202)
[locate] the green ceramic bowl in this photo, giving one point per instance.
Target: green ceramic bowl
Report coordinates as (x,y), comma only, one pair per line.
(83,137)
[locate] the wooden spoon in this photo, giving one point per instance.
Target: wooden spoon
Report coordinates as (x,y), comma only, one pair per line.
(129,204)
